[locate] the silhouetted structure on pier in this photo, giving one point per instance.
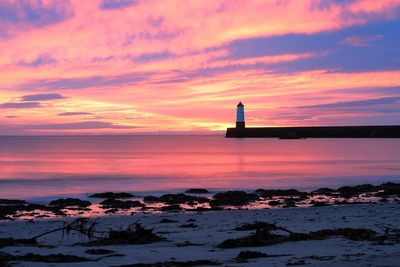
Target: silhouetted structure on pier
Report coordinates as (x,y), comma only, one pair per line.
(241,131)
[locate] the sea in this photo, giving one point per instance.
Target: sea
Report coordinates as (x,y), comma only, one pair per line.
(45,167)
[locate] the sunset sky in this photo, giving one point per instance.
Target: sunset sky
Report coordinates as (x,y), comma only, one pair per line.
(132,66)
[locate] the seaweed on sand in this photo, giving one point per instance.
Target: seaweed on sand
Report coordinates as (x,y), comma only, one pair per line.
(133,234)
(5,242)
(258,225)
(262,237)
(96,233)
(243,256)
(98,251)
(52,258)
(189,225)
(174,264)
(265,235)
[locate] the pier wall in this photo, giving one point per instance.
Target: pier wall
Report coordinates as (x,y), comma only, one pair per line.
(388,131)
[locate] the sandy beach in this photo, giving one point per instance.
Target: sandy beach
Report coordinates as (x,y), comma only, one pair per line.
(199,238)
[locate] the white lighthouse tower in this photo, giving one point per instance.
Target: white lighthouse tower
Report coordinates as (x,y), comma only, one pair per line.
(240,124)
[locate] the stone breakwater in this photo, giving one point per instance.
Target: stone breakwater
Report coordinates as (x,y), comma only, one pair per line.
(386,131)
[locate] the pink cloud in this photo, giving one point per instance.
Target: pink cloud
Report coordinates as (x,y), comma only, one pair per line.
(365,40)
(182,27)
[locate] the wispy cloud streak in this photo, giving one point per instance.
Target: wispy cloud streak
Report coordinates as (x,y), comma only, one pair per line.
(41,97)
(22,105)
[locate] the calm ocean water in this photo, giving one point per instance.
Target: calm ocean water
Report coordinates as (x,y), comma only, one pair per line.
(39,167)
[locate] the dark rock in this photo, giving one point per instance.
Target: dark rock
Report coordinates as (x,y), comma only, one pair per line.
(171,208)
(319,204)
(12,202)
(200,209)
(389,189)
(5,217)
(290,200)
(197,191)
(176,199)
(191,203)
(112,195)
(389,185)
(324,191)
(279,192)
(68,202)
(111,211)
(12,210)
(151,199)
(79,208)
(182,198)
(352,191)
(119,204)
(233,198)
(98,251)
(344,202)
(274,203)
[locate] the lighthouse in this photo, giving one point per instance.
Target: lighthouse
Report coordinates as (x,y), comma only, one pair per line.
(240,116)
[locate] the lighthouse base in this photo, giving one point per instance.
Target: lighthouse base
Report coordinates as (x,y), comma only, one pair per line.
(240,125)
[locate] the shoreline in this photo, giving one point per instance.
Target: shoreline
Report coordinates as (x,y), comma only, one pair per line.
(355,180)
(196,200)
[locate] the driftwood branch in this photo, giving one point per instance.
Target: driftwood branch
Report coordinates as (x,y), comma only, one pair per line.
(81,225)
